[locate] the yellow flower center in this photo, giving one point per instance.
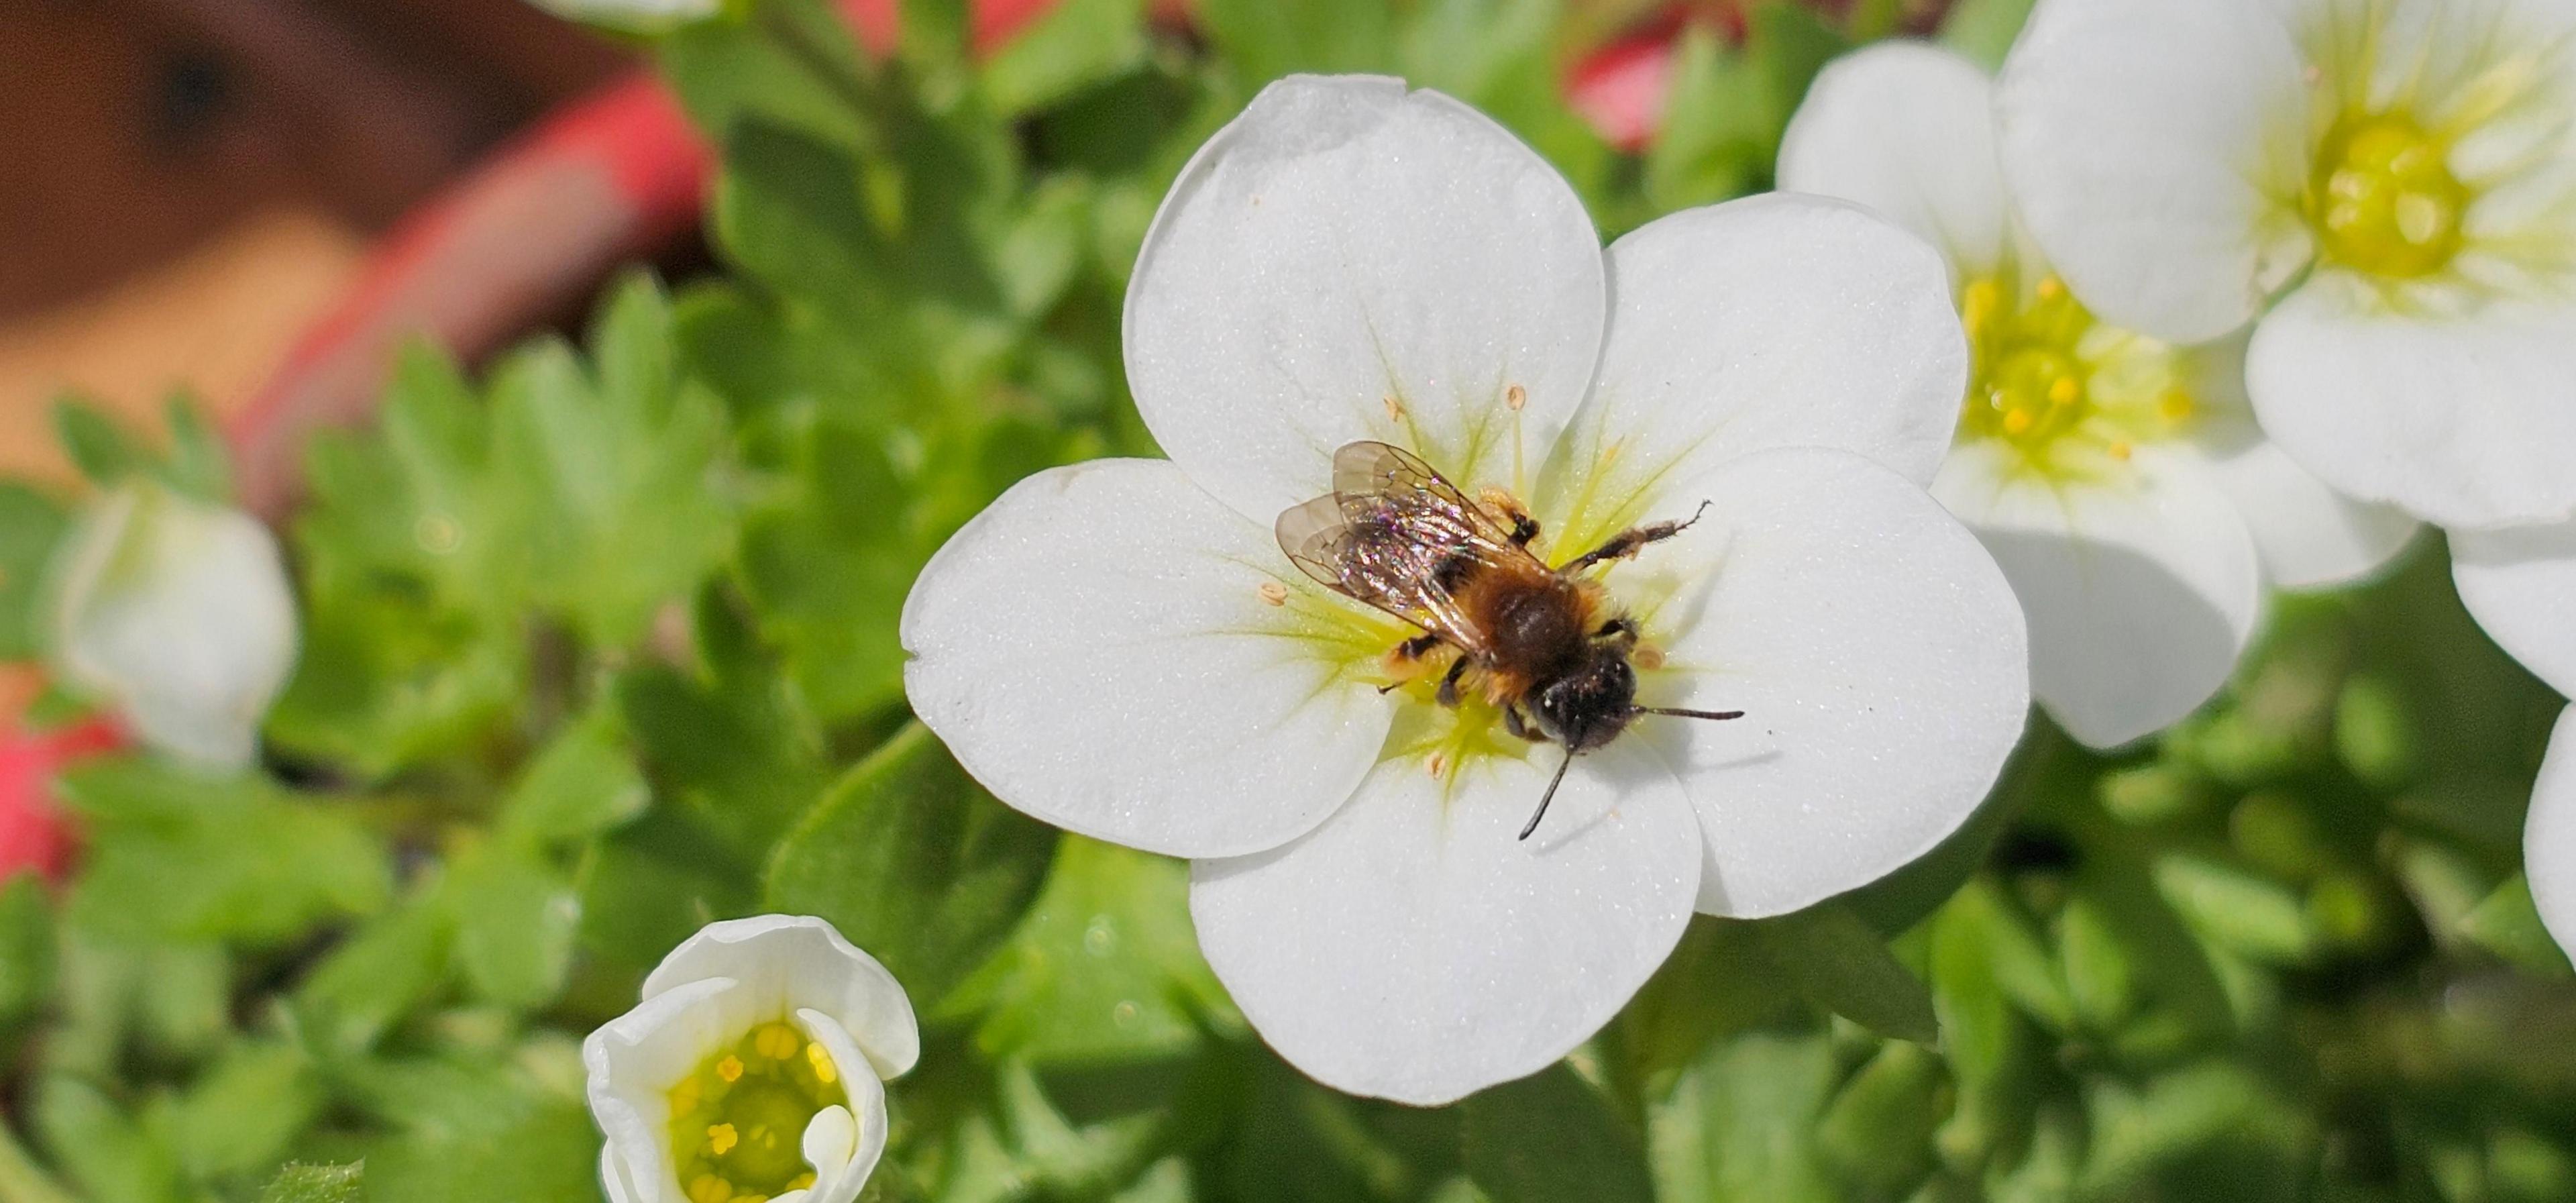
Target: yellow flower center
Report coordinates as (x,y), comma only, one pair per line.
(2070,395)
(2383,199)
(738,1123)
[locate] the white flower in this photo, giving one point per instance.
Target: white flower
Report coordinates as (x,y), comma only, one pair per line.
(2389,186)
(2520,584)
(2119,480)
(1121,648)
(754,1067)
(179,613)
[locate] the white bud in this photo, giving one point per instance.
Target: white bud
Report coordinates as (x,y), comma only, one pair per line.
(180,614)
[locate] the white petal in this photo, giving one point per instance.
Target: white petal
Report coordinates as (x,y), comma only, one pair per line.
(2141,592)
(1413,949)
(2156,148)
(2549,835)
(2307,535)
(788,962)
(631,1063)
(614,1178)
(844,1146)
(1346,261)
(1907,129)
(1100,649)
(2466,421)
(1877,655)
(180,612)
(2520,584)
(1775,321)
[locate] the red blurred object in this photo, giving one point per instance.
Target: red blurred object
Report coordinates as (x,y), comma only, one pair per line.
(34,831)
(1620,88)
(527,235)
(995,21)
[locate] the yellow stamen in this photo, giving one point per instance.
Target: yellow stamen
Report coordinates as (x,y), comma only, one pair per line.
(777,1042)
(824,1070)
(710,1189)
(730,1069)
(721,1138)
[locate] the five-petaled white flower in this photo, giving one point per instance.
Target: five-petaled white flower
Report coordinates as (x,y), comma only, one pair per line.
(1123,649)
(2389,186)
(2521,586)
(2118,479)
(179,613)
(754,1068)
(646,15)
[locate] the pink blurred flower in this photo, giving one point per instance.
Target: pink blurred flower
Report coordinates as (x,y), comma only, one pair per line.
(34,831)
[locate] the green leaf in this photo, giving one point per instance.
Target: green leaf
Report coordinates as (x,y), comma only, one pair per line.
(582,783)
(1718,979)
(622,466)
(316,1184)
(2237,910)
(2136,1129)
(1265,39)
(515,917)
(1985,29)
(380,974)
(1877,1132)
(541,1153)
(1739,1127)
(1076,44)
(101,1148)
(1105,967)
(31,527)
(97,444)
(1842,964)
(1549,1137)
(27,950)
(914,862)
(2508,925)
(198,466)
(793,65)
(178,857)
(728,742)
(241,1114)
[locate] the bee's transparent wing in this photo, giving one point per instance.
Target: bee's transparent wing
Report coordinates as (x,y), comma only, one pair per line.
(1315,536)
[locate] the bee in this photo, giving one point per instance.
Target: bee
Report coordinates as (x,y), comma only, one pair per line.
(1545,645)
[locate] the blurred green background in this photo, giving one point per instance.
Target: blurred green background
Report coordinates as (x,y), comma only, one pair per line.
(599,646)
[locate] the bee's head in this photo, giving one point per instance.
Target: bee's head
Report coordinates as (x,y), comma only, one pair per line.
(1586,708)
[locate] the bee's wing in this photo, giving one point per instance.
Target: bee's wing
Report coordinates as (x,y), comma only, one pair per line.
(1392,532)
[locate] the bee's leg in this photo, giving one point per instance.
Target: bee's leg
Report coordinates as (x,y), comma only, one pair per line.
(1627,542)
(1504,505)
(1449,684)
(1406,653)
(1514,723)
(1622,628)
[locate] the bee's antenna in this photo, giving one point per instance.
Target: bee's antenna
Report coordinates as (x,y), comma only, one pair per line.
(1550,795)
(1712,715)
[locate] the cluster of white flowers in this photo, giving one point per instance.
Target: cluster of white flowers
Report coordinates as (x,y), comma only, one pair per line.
(2382,195)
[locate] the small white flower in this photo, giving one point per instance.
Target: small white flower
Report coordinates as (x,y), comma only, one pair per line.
(2520,584)
(2388,185)
(1121,648)
(2119,480)
(754,1067)
(179,613)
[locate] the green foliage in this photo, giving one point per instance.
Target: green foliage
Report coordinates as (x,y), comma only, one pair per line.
(600,646)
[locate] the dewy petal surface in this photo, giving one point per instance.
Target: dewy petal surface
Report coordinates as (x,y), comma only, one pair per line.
(2549,834)
(2141,592)
(1101,649)
(2157,149)
(1347,260)
(1774,321)
(2465,421)
(1877,654)
(2520,585)
(792,962)
(1907,129)
(1413,949)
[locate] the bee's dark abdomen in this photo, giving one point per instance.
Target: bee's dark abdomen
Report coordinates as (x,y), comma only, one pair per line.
(1540,629)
